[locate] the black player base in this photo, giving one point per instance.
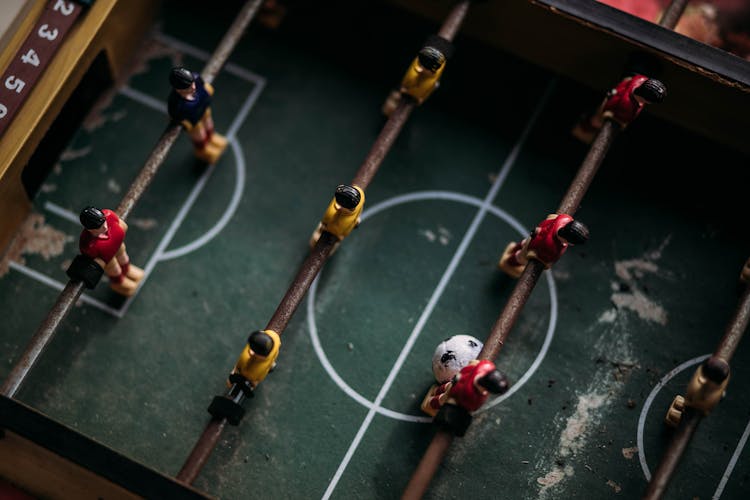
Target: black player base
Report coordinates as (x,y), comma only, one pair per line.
(224,407)
(453,419)
(84,268)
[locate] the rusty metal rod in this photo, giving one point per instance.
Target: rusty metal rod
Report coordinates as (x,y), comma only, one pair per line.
(202,450)
(230,40)
(428,466)
(736,328)
(170,135)
(664,472)
(586,172)
(302,282)
(41,338)
(671,15)
(320,253)
(384,142)
(438,448)
(72,291)
(677,446)
(454,20)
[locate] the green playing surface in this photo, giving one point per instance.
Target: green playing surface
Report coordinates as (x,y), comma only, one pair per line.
(607,339)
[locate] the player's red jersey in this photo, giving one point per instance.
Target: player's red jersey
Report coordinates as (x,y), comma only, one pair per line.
(545,246)
(106,246)
(622,105)
(464,391)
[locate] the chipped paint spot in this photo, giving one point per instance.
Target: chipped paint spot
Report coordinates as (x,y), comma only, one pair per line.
(34,237)
(72,154)
(143,224)
(554,476)
(632,297)
(151,50)
(444,235)
(572,438)
(629,453)
(428,234)
(608,316)
(113,186)
(614,486)
(559,274)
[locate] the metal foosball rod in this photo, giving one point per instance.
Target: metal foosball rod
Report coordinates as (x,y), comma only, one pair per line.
(340,218)
(610,124)
(704,392)
(672,13)
(440,444)
(74,288)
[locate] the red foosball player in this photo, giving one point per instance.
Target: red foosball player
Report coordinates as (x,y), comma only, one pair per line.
(546,244)
(622,105)
(190,104)
(453,402)
(103,241)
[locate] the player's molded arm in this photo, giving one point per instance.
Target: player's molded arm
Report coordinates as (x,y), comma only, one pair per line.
(187,125)
(123,224)
(209,88)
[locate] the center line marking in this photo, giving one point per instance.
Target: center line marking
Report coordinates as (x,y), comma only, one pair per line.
(504,170)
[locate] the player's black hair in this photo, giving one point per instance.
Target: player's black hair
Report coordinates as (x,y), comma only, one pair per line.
(260,342)
(574,232)
(431,58)
(181,78)
(495,382)
(347,196)
(92,218)
(652,90)
(716,369)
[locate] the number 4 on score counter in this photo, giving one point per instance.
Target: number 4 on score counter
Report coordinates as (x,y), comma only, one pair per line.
(35,54)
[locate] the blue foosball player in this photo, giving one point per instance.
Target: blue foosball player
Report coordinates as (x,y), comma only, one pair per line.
(189,104)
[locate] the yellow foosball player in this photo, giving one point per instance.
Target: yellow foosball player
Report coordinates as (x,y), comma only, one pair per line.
(705,390)
(342,215)
(257,359)
(423,75)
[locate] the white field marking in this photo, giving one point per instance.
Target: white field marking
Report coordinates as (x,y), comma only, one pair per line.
(413,197)
(732,463)
(204,56)
(502,175)
(190,201)
(61,212)
(143,98)
(650,399)
(239,184)
(52,283)
(160,254)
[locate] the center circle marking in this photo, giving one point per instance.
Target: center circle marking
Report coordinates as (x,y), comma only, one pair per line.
(422,196)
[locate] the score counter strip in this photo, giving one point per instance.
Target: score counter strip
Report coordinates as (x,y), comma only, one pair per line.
(35,54)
